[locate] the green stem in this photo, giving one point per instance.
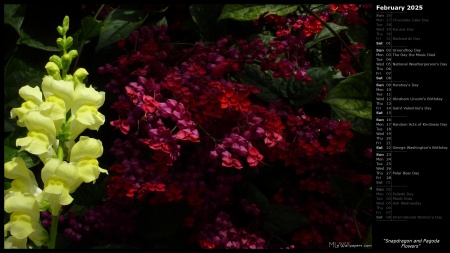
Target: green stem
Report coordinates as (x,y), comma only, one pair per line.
(60,153)
(53,232)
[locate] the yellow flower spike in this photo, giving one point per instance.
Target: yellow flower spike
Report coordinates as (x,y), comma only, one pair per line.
(17,170)
(53,70)
(59,88)
(86,148)
(31,94)
(14,243)
(86,117)
(36,143)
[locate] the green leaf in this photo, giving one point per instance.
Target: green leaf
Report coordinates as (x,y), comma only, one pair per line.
(8,153)
(298,93)
(14,14)
(41,42)
(357,34)
(254,195)
(353,95)
(283,219)
(91,27)
(325,33)
(360,125)
(248,12)
(118,25)
(253,76)
(302,93)
(20,71)
(318,8)
(161,22)
(205,16)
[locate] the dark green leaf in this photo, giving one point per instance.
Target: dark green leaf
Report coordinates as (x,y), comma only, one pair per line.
(20,72)
(161,22)
(205,16)
(282,219)
(30,159)
(346,191)
(14,15)
(353,95)
(266,37)
(8,153)
(297,92)
(9,125)
(118,25)
(10,140)
(301,93)
(257,197)
(360,125)
(319,8)
(325,33)
(247,12)
(252,75)
(91,27)
(40,42)
(357,34)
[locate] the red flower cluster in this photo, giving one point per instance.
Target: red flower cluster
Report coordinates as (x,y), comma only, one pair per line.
(192,132)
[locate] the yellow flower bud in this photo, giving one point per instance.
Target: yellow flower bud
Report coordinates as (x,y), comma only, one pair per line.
(53,70)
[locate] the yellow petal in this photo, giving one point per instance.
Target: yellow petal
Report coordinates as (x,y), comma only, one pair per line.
(14,243)
(20,225)
(56,111)
(87,96)
(31,94)
(62,170)
(89,171)
(59,88)
(21,112)
(35,121)
(86,117)
(56,193)
(86,148)
(16,169)
(40,235)
(36,143)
